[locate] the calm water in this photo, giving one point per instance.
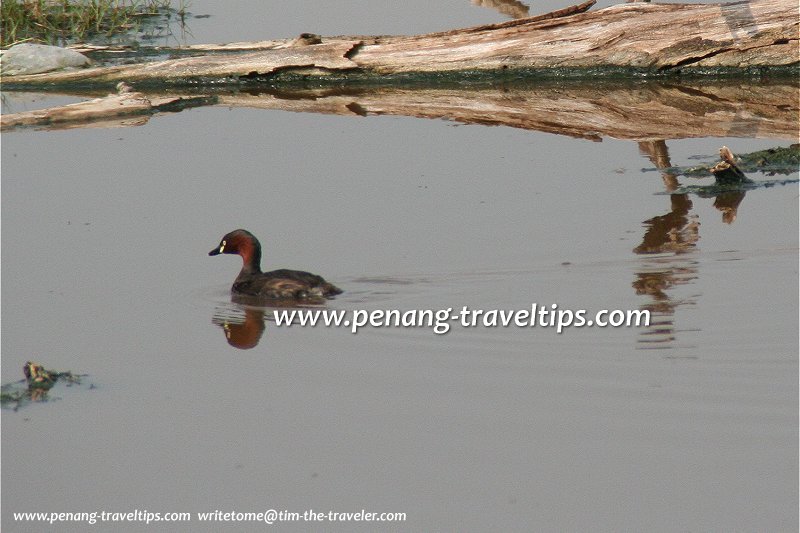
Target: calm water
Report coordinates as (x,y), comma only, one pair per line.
(253,20)
(688,425)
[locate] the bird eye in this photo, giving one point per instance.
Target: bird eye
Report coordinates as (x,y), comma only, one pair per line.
(222,247)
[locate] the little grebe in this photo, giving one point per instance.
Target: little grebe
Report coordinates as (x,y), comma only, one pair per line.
(280,284)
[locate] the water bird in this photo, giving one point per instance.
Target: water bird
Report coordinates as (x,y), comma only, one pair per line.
(282,284)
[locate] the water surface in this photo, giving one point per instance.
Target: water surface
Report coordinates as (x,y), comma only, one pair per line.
(690,424)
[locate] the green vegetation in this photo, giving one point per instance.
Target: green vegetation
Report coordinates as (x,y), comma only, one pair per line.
(773,160)
(780,160)
(35,387)
(61,22)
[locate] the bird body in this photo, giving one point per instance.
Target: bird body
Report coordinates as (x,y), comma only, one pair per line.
(282,284)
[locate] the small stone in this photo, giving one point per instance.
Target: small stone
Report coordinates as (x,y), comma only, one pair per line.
(28,58)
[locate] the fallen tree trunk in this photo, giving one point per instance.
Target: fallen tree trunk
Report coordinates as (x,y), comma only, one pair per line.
(635,37)
(633,111)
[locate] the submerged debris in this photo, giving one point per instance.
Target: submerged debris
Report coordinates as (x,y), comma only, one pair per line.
(771,162)
(726,172)
(34,388)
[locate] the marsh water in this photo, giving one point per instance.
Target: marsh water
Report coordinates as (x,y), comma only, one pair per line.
(201,404)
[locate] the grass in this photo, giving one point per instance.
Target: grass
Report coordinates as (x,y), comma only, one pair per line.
(61,22)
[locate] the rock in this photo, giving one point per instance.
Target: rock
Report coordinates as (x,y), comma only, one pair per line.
(27,58)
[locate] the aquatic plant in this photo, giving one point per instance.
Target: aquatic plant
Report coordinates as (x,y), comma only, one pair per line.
(61,22)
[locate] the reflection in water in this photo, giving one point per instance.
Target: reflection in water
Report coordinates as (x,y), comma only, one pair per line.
(512,8)
(243,326)
(676,233)
(244,320)
(741,22)
(655,278)
(620,109)
(35,387)
(728,203)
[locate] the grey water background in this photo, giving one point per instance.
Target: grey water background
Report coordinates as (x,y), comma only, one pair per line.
(690,425)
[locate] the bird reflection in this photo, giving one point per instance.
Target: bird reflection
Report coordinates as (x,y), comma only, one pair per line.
(243,326)
(244,319)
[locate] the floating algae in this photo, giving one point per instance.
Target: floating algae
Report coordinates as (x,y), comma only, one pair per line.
(36,386)
(773,161)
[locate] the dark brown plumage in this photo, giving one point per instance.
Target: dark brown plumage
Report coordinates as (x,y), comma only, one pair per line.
(280,284)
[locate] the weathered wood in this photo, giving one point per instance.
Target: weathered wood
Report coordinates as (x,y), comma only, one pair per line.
(649,37)
(641,112)
(642,35)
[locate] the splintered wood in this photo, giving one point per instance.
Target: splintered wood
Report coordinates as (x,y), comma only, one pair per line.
(644,36)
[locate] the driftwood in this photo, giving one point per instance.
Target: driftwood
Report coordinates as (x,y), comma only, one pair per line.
(640,112)
(644,37)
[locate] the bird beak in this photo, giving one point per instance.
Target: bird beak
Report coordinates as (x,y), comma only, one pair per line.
(215,251)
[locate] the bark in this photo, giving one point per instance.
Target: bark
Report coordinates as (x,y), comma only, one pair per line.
(643,37)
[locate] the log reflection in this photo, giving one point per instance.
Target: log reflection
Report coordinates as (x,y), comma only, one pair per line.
(669,246)
(641,112)
(673,236)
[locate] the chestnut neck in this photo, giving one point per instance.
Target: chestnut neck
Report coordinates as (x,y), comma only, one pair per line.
(250,250)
